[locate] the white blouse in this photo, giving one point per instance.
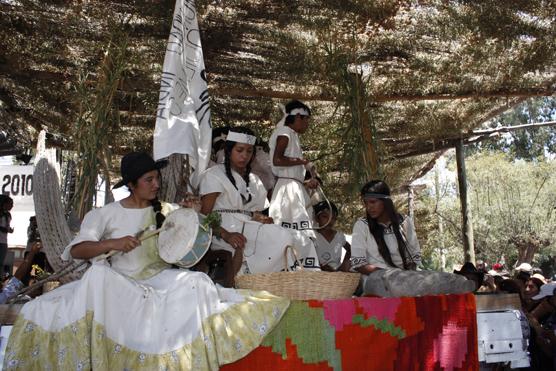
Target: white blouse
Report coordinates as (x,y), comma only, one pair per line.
(292,150)
(214,180)
(364,249)
(330,253)
(115,221)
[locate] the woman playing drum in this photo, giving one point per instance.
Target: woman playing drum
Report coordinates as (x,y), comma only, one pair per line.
(136,312)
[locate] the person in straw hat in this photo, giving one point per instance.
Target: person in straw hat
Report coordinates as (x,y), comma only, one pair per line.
(135,311)
(386,251)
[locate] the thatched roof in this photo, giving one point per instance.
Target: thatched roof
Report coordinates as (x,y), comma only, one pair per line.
(437,68)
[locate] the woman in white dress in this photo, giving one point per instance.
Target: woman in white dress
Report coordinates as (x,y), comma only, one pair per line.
(385,250)
(231,189)
(290,205)
(136,312)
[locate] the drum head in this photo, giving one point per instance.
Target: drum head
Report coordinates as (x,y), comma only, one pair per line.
(179,238)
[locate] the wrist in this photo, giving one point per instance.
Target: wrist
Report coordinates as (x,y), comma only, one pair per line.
(106,246)
(223,234)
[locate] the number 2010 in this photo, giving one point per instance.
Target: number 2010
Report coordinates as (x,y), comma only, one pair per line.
(17,185)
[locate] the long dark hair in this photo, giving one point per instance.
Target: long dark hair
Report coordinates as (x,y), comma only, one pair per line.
(377,230)
(227,159)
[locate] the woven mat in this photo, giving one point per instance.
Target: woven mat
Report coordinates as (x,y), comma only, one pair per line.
(421,333)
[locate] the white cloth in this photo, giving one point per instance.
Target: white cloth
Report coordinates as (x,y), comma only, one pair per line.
(183,109)
(293,150)
(264,251)
(291,206)
(330,252)
(176,317)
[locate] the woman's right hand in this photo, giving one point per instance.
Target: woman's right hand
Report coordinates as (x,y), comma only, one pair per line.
(124,244)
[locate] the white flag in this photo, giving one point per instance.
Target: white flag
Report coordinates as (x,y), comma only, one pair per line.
(183,114)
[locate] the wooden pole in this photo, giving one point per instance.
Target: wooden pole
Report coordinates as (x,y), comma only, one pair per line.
(230,91)
(467,226)
(411,202)
(441,245)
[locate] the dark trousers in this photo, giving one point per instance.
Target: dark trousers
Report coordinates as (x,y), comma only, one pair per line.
(3,252)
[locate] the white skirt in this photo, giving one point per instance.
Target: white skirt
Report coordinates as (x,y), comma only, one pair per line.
(106,321)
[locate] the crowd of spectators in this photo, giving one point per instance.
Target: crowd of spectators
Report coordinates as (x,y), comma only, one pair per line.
(538,302)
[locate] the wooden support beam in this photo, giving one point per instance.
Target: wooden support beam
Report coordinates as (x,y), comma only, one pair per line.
(468,138)
(326,97)
(467,225)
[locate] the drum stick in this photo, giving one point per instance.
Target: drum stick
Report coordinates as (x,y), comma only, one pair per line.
(145,236)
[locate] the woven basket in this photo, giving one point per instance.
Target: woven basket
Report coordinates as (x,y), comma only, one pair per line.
(301,284)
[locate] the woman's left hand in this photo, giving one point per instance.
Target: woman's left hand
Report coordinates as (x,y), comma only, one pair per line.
(191,202)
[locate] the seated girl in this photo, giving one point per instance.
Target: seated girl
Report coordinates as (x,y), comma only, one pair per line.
(135,312)
(330,242)
(386,251)
(232,190)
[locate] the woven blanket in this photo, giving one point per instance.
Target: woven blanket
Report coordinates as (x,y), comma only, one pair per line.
(415,333)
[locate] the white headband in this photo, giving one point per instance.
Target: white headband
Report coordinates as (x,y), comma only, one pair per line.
(301,111)
(234,136)
(220,137)
(295,111)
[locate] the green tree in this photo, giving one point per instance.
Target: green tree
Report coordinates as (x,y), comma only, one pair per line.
(528,144)
(513,204)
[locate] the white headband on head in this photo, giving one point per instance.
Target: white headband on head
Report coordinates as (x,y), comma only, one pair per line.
(234,136)
(220,137)
(299,111)
(295,111)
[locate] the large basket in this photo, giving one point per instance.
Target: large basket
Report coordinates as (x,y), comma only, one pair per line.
(301,284)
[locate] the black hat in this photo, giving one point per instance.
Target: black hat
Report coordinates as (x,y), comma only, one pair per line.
(324,205)
(135,164)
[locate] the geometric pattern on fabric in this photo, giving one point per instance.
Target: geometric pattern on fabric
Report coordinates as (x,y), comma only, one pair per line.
(409,333)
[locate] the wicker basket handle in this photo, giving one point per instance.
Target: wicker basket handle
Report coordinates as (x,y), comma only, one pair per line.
(289,247)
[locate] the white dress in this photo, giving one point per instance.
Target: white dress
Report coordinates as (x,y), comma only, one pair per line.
(264,251)
(391,281)
(330,253)
(167,319)
(291,205)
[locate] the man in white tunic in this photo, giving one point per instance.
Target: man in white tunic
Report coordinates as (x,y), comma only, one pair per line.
(291,206)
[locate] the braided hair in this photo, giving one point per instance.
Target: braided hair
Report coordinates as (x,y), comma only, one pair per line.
(227,160)
(377,230)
